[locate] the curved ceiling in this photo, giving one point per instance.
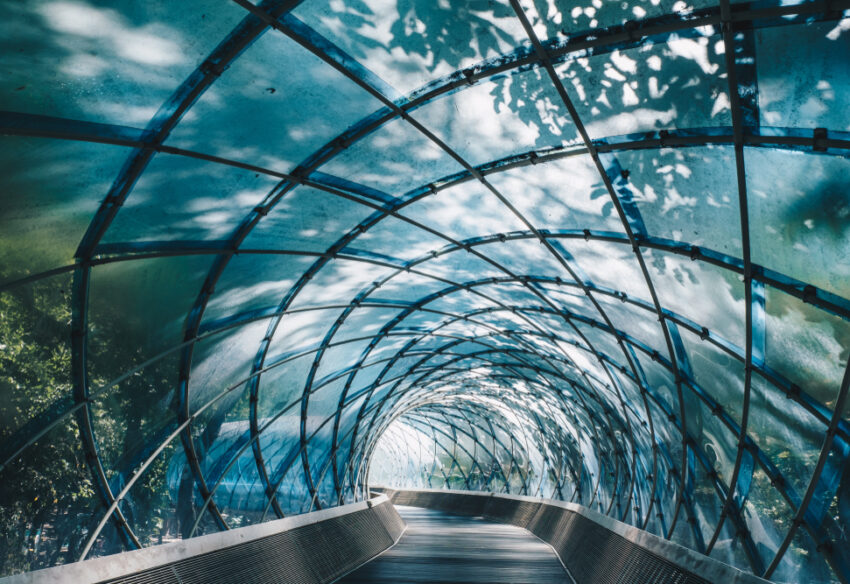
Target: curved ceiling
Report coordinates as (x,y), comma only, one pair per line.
(255,257)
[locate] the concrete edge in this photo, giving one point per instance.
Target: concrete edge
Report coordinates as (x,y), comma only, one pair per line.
(106,567)
(686,558)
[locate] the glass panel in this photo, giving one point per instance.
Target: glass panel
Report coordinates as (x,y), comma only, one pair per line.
(768,516)
(803,560)
(787,433)
(134,417)
(717,373)
(818,95)
(183,198)
(525,257)
(306,219)
(297,102)
(302,330)
(282,385)
(133,316)
(508,114)
(338,282)
(806,345)
(682,196)
(211,375)
(253,282)
(567,193)
(51,190)
(709,296)
(115,63)
(397,239)
(410,43)
(609,265)
(798,205)
(153,509)
(636,321)
(677,84)
(447,211)
(394,159)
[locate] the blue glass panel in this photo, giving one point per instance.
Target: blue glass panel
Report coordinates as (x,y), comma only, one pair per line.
(394,159)
(183,198)
(798,205)
(51,189)
(306,219)
(338,282)
(410,43)
(805,345)
(718,374)
(677,84)
(282,385)
(151,317)
(447,212)
(460,267)
(817,94)
(562,194)
(710,296)
(398,239)
(524,257)
(297,103)
(636,321)
(150,506)
(301,330)
(609,265)
(786,432)
(500,117)
(682,196)
(211,375)
(115,61)
(253,282)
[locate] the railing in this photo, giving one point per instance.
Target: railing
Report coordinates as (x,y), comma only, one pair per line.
(593,548)
(313,548)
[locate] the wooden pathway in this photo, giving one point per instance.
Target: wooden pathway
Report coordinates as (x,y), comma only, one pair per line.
(443,548)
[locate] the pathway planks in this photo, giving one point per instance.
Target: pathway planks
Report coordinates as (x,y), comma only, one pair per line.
(444,548)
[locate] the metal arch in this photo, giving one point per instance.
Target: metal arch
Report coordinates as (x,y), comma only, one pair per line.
(455,444)
(733,52)
(707,399)
(626,221)
(431,409)
(351,455)
(307,38)
(813,477)
(156,132)
(534,380)
(490,431)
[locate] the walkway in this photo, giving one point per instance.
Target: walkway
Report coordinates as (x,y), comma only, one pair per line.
(445,548)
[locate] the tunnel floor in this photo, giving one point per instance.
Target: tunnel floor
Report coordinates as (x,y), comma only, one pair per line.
(441,547)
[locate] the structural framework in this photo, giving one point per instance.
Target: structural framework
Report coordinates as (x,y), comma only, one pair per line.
(255,257)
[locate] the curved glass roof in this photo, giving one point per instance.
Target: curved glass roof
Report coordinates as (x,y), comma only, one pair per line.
(256,257)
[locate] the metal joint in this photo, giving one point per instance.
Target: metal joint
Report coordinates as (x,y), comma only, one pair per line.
(818,139)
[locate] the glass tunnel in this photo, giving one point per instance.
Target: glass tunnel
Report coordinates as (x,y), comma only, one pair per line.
(256,257)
